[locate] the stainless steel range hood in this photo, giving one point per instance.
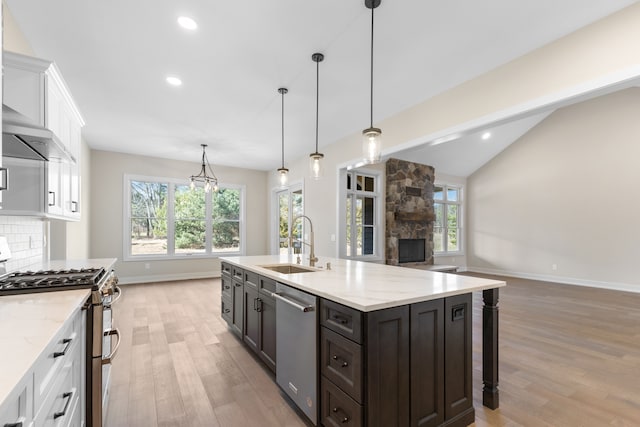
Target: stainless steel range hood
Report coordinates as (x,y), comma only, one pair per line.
(24,139)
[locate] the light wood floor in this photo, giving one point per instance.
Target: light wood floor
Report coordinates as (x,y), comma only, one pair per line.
(569,356)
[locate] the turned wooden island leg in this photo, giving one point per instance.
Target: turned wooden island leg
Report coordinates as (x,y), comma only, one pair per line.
(490,348)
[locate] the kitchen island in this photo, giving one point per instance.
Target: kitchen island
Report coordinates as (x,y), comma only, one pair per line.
(394,343)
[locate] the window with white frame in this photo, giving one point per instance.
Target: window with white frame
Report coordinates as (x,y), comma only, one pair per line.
(447,229)
(164,218)
(360,206)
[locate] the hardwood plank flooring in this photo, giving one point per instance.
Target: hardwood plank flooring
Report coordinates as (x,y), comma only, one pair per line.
(569,356)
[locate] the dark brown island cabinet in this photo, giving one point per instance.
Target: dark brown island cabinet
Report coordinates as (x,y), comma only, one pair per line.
(401,366)
(250,310)
(409,365)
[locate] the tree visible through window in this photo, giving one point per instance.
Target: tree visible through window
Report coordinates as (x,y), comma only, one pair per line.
(171,219)
(148,218)
(447,228)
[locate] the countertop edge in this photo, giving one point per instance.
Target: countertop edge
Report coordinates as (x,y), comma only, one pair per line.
(285,279)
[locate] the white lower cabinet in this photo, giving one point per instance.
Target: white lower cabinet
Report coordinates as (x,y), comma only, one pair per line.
(16,411)
(53,391)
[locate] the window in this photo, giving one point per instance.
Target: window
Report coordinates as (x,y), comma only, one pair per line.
(288,205)
(360,207)
(166,219)
(447,229)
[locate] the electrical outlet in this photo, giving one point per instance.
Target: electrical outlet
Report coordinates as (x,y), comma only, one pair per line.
(554,267)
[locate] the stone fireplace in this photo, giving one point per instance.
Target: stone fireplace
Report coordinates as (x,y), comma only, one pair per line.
(409,213)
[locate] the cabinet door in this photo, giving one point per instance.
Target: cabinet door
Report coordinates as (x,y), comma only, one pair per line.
(54,186)
(427,363)
(54,115)
(267,336)
(237,312)
(251,318)
(388,367)
(70,180)
(458,395)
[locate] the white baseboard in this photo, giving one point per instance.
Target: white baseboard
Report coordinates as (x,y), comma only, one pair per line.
(615,286)
(166,277)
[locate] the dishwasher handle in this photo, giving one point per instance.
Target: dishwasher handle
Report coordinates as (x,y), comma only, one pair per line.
(288,300)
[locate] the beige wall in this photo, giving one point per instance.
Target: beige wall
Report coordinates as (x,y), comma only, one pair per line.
(13,39)
(565,194)
(106,219)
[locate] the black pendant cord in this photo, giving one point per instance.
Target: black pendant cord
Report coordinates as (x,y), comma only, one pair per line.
(282,128)
(317,99)
(371,116)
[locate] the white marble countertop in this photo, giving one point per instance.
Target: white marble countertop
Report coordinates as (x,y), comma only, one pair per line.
(28,322)
(366,286)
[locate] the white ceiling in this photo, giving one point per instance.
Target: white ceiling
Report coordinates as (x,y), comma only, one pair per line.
(116,54)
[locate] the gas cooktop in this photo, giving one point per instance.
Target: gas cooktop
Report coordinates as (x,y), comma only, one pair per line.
(50,280)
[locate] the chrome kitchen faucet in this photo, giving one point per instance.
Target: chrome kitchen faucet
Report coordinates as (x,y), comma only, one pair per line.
(312,256)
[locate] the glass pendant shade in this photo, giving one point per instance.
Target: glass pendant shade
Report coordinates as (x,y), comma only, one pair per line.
(372,145)
(316,169)
(283,176)
(371,137)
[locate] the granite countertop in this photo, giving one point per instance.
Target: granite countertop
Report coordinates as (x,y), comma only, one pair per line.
(28,322)
(366,286)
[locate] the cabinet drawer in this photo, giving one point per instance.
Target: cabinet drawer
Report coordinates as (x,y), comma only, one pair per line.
(341,362)
(338,409)
(225,286)
(58,405)
(267,286)
(14,409)
(226,307)
(343,320)
(56,355)
(238,274)
(251,279)
(226,269)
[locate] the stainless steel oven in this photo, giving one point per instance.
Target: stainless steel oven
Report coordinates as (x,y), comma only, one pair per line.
(101,347)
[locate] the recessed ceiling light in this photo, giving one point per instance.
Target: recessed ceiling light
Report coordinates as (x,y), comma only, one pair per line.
(187,23)
(174,81)
(486,135)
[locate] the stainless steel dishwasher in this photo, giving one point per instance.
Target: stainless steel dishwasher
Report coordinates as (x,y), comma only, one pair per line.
(296,347)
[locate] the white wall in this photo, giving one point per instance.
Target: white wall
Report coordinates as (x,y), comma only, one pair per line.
(106,219)
(565,194)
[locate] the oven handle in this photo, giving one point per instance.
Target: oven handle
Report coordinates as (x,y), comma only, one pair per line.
(115,290)
(107,360)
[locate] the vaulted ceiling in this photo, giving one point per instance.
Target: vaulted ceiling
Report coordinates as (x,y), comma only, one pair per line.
(115,56)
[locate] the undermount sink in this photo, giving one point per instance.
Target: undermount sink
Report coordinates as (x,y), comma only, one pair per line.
(288,268)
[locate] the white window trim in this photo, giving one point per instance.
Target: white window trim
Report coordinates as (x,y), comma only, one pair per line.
(461,214)
(378,236)
(170,255)
(275,213)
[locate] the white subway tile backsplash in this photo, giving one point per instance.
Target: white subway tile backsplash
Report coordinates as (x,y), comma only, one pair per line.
(20,231)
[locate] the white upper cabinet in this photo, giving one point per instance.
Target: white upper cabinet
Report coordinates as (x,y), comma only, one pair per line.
(36,89)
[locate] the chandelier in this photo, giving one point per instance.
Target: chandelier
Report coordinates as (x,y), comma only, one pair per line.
(209,179)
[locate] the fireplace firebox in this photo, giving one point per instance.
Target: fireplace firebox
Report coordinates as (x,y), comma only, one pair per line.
(411,250)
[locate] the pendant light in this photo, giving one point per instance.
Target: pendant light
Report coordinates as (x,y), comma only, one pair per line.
(371,137)
(315,159)
(210,181)
(282,171)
